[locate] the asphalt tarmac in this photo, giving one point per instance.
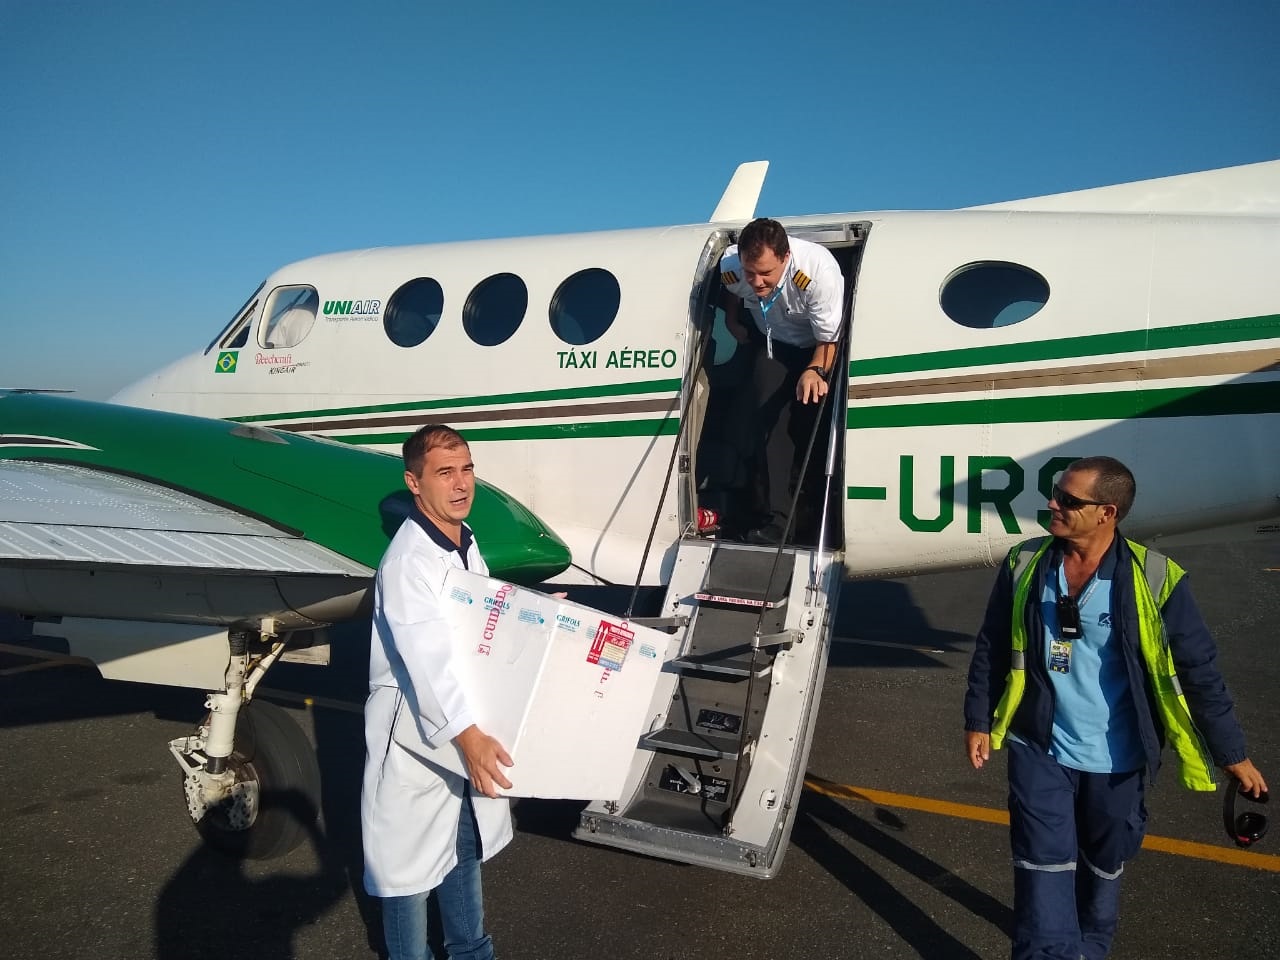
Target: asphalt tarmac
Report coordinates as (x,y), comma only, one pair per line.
(898,849)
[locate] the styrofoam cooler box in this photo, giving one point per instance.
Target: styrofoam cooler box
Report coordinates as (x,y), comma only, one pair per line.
(565,688)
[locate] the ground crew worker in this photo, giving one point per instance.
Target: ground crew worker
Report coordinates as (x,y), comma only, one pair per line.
(1091,657)
(794,292)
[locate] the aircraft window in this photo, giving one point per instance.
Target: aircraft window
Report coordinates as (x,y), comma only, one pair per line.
(241,316)
(240,339)
(585,305)
(413,312)
(290,313)
(495,308)
(993,293)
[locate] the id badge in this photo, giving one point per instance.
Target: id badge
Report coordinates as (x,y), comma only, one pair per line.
(1060,656)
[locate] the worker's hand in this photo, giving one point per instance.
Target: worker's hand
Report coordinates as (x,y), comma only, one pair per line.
(1250,777)
(811,388)
(483,755)
(978,747)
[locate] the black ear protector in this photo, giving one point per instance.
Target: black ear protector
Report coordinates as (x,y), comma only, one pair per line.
(1246,828)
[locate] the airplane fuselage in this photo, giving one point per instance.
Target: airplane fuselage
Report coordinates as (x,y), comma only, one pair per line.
(986,349)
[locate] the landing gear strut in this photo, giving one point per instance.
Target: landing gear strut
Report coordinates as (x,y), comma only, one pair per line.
(249,773)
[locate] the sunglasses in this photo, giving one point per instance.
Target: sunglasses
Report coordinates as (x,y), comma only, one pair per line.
(1069,501)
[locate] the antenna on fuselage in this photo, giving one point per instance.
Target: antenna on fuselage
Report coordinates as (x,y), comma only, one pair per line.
(738,202)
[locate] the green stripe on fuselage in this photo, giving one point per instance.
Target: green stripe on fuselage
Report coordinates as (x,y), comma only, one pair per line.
(447,403)
(1228,398)
(541,431)
(1128,341)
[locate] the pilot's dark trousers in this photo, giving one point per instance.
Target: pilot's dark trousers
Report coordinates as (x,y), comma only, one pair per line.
(781,425)
(1071,834)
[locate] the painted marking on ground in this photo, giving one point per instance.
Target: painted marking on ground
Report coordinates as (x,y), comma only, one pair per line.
(32,667)
(1182,848)
(889,644)
(44,659)
(310,702)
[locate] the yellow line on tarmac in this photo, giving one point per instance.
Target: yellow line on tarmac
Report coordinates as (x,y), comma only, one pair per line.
(1182,848)
(44,659)
(36,653)
(31,667)
(310,703)
(962,810)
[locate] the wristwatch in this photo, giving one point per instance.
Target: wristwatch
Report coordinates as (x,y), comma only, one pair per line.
(822,373)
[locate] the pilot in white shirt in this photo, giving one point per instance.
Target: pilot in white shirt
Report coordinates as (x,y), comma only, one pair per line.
(794,292)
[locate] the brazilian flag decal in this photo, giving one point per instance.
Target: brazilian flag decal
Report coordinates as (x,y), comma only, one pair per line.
(226,361)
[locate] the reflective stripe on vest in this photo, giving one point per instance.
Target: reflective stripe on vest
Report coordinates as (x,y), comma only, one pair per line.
(1154,578)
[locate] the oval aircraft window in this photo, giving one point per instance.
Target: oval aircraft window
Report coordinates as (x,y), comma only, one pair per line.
(495,308)
(585,305)
(413,312)
(993,293)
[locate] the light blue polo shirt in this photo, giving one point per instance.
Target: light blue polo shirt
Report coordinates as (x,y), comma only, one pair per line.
(1095,726)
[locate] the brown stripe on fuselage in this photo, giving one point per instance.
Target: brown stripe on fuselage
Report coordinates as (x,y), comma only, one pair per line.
(501,414)
(1218,364)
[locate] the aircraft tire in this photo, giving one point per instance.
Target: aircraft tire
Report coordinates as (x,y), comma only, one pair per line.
(273,752)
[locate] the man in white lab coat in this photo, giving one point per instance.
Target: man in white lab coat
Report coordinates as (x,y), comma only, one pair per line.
(424,827)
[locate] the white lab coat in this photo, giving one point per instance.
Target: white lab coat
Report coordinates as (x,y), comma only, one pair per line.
(409,808)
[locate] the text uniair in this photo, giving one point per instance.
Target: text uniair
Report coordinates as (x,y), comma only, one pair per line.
(348,308)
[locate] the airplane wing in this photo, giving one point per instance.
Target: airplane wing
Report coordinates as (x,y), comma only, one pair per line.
(76,540)
(120,513)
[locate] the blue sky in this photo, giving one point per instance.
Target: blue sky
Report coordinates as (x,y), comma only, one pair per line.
(161,158)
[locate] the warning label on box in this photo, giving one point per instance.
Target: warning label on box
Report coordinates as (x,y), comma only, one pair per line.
(610,645)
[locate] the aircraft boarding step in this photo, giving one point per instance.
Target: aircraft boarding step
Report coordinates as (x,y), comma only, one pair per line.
(716,778)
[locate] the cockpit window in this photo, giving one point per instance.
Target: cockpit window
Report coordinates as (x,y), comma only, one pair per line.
(585,306)
(290,313)
(993,293)
(237,328)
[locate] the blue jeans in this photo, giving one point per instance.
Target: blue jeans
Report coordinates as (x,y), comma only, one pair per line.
(1071,833)
(404,919)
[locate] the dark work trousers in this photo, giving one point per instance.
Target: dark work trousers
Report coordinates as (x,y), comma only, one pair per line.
(1071,834)
(782,424)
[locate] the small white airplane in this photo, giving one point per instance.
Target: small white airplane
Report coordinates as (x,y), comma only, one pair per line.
(985,349)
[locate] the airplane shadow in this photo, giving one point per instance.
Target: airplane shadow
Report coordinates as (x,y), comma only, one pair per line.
(212,907)
(911,923)
(878,623)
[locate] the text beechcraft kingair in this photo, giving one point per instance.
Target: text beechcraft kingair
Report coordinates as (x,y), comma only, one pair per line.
(985,349)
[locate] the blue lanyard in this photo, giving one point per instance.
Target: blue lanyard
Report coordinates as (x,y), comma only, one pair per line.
(764,315)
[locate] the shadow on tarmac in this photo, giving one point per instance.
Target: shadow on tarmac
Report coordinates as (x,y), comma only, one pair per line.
(216,904)
(912,924)
(884,615)
(212,907)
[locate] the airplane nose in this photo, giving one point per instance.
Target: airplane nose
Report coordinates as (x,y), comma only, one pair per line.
(513,539)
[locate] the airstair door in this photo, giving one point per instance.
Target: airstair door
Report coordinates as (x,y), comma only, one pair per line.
(716,777)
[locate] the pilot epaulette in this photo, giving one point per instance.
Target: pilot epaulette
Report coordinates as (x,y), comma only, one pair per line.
(728,278)
(801,280)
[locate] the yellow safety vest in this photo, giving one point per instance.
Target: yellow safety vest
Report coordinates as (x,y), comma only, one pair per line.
(1154,577)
